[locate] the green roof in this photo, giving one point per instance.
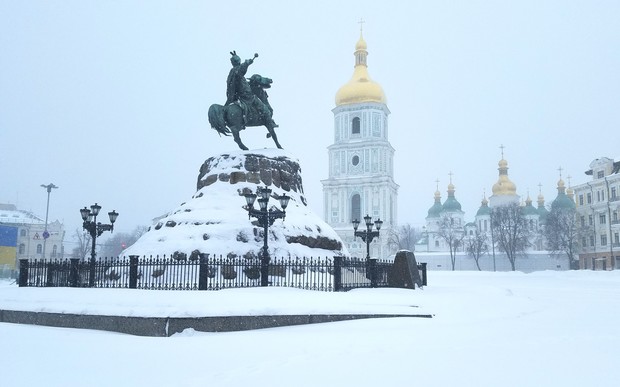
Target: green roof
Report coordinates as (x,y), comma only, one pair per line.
(529,210)
(451,204)
(435,210)
(563,201)
(483,210)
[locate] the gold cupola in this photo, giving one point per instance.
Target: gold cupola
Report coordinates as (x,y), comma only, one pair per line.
(542,211)
(360,88)
(569,191)
(561,186)
(541,199)
(504,186)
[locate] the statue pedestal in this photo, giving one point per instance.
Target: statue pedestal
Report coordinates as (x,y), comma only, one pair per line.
(214,219)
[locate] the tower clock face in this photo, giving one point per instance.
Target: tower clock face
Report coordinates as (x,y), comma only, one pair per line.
(355,160)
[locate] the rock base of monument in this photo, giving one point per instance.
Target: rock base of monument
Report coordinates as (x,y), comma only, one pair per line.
(215,219)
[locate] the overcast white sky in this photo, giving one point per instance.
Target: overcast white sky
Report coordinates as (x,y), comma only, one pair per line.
(108,100)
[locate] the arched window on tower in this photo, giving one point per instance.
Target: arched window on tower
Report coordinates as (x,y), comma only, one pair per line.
(356,208)
(355,126)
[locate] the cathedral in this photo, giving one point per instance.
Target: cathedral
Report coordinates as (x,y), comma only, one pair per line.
(504,192)
(361,162)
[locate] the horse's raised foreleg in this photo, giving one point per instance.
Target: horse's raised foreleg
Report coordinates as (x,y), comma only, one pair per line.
(235,131)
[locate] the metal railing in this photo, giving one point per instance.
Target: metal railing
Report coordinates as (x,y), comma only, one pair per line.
(207,272)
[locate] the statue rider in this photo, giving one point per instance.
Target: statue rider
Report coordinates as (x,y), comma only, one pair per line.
(238,88)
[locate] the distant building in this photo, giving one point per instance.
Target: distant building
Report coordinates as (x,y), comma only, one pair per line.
(504,192)
(22,236)
(361,161)
(598,208)
(596,204)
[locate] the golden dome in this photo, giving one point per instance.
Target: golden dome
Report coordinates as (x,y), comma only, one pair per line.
(360,88)
(504,186)
(561,186)
(541,197)
(561,183)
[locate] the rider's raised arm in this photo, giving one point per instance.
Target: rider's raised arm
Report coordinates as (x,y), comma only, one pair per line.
(247,63)
(243,67)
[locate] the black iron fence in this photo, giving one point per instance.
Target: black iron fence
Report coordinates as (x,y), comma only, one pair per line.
(207,272)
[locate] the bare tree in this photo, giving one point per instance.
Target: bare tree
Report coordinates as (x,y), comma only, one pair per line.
(118,242)
(476,246)
(452,233)
(403,238)
(562,233)
(82,250)
(511,230)
(139,231)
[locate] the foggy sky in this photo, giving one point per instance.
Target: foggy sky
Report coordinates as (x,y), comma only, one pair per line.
(108,100)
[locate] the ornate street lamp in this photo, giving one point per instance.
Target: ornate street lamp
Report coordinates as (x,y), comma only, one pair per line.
(89,216)
(46,233)
(265,217)
(368,235)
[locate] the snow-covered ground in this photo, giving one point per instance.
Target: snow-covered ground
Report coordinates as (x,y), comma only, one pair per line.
(489,329)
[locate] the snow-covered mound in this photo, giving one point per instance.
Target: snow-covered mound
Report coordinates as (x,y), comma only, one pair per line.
(214,220)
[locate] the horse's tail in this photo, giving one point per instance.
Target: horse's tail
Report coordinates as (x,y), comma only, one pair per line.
(217,120)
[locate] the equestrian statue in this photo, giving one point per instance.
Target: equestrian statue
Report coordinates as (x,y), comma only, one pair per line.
(246,103)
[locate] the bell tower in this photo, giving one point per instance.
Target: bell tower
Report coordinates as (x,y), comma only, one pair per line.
(361,161)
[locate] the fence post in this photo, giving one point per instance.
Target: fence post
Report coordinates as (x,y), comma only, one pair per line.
(133,271)
(51,268)
(203,272)
(23,272)
(91,273)
(422,267)
(73,272)
(372,268)
(337,274)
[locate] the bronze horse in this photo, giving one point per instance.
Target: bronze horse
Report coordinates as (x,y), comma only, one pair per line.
(235,117)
